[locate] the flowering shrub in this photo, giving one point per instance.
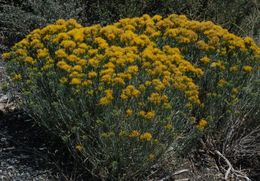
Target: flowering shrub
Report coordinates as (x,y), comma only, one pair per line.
(121,95)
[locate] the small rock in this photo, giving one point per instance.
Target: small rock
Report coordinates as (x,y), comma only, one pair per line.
(10,168)
(4,99)
(2,177)
(43,148)
(2,107)
(3,139)
(9,148)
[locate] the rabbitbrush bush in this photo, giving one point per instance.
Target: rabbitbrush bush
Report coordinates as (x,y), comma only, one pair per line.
(120,95)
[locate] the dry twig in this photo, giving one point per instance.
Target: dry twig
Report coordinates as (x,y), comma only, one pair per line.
(176,173)
(231,169)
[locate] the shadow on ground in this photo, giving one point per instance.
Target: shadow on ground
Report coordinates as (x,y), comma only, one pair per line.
(27,151)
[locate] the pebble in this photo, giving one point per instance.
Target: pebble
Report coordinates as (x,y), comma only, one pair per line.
(3,99)
(3,139)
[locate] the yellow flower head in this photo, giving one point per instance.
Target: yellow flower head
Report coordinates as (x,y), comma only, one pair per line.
(75,81)
(247,68)
(147,115)
(151,157)
(202,124)
(134,134)
(233,69)
(6,56)
(68,44)
(60,53)
(168,126)
(222,83)
(64,66)
(29,60)
(93,62)
(77,68)
(107,99)
(79,148)
(133,69)
(17,77)
(146,136)
(92,74)
(119,81)
(21,52)
(87,83)
(150,115)
(129,112)
(60,37)
(63,80)
(234,91)
(205,60)
(155,98)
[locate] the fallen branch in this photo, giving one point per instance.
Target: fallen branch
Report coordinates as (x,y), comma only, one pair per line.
(176,173)
(231,169)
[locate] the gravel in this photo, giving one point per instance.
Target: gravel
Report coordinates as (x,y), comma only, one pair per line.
(15,163)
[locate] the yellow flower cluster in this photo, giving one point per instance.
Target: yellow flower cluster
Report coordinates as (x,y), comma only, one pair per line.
(222,83)
(147,136)
(132,85)
(138,62)
(202,124)
(247,68)
(147,115)
(17,77)
(129,91)
(205,60)
(129,112)
(134,134)
(107,98)
(79,148)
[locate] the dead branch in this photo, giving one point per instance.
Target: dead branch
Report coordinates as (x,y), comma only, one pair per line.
(176,173)
(231,169)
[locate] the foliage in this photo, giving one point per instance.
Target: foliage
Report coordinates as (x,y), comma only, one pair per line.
(18,18)
(122,94)
(105,11)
